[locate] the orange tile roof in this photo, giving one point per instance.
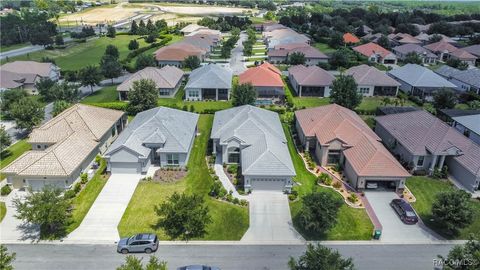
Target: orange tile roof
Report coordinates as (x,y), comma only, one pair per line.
(363,148)
(372,48)
(350,38)
(264,75)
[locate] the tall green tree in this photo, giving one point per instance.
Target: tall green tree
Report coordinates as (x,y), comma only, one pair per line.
(60,106)
(134,28)
(142,29)
(134,263)
(468,253)
(48,208)
(144,60)
(111,32)
(344,92)
(90,76)
(413,58)
(336,40)
(319,257)
(112,51)
(452,211)
(192,62)
(27,113)
(444,99)
(6,259)
(133,45)
(43,87)
(110,67)
(142,96)
(4,139)
(183,216)
(161,25)
(296,58)
(61,91)
(243,94)
(319,212)
(8,98)
(384,42)
(59,40)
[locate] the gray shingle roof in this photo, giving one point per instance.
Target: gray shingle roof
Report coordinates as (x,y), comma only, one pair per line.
(407,48)
(474,49)
(311,76)
(173,128)
(471,122)
(419,76)
(469,76)
(260,131)
(210,76)
(367,75)
(166,77)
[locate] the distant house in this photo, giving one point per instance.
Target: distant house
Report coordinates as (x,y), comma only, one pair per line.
(401,38)
(425,38)
(442,49)
(204,42)
(310,81)
(386,110)
(475,50)
(281,53)
(468,125)
(24,74)
(338,136)
(365,29)
(254,139)
(167,81)
(160,136)
(376,53)
(212,82)
(349,38)
(447,115)
(215,35)
(64,147)
(265,78)
(427,143)
(192,28)
(464,57)
(262,26)
(282,36)
(465,80)
(175,54)
(403,50)
(419,81)
(373,82)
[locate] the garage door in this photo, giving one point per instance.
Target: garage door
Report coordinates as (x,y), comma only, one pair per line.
(381,184)
(125,167)
(37,185)
(267,184)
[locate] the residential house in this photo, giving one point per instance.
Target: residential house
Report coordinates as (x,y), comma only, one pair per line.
(447,115)
(426,144)
(209,82)
(442,49)
(283,36)
(24,74)
(254,139)
(310,81)
(189,29)
(216,35)
(262,26)
(376,53)
(425,38)
(64,147)
(403,50)
(396,109)
(365,29)
(265,78)
(402,38)
(281,53)
(204,42)
(167,81)
(419,81)
(465,80)
(464,57)
(475,50)
(160,137)
(349,38)
(175,54)
(372,37)
(373,82)
(337,136)
(468,125)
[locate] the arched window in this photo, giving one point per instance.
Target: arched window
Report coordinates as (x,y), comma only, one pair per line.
(233,154)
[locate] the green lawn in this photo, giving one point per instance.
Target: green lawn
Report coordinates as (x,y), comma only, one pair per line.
(5,48)
(106,94)
(85,199)
(13,152)
(3,211)
(325,48)
(230,222)
(352,224)
(425,190)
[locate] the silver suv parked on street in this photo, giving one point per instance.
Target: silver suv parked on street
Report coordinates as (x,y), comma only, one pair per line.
(143,242)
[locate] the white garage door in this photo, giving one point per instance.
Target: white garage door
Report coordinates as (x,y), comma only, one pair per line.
(125,167)
(267,184)
(37,185)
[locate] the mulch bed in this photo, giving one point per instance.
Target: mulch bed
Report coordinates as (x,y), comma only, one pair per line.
(168,176)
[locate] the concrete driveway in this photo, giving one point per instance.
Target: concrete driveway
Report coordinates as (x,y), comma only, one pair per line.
(13,230)
(270,218)
(394,230)
(100,223)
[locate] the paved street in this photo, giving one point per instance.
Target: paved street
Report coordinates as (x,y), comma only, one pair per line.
(236,58)
(270,218)
(227,257)
(21,51)
(393,228)
(102,219)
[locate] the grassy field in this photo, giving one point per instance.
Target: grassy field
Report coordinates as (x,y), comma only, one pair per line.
(13,152)
(3,211)
(352,224)
(230,222)
(425,190)
(325,48)
(85,199)
(106,94)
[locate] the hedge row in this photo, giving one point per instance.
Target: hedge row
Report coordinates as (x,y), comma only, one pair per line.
(139,51)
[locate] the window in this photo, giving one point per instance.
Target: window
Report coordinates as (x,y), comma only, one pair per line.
(39,146)
(233,155)
(172,159)
(193,93)
(333,156)
(164,92)
(364,90)
(113,132)
(420,161)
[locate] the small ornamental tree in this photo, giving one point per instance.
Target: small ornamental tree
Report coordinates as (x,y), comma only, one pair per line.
(296,58)
(4,139)
(144,60)
(413,58)
(243,94)
(111,32)
(112,50)
(133,45)
(319,212)
(134,28)
(43,86)
(142,96)
(319,257)
(27,113)
(6,259)
(344,92)
(444,99)
(110,67)
(59,40)
(134,263)
(452,211)
(90,76)
(192,62)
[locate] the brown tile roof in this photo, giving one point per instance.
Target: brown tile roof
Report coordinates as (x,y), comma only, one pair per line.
(311,76)
(74,133)
(9,80)
(29,67)
(364,150)
(463,55)
(404,38)
(372,48)
(441,46)
(420,131)
(264,75)
(474,49)
(285,49)
(367,75)
(166,77)
(177,52)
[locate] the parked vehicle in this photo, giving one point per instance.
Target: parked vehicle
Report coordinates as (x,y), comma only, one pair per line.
(143,242)
(372,185)
(198,267)
(405,211)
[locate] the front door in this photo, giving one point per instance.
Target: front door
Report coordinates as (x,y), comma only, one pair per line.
(156,157)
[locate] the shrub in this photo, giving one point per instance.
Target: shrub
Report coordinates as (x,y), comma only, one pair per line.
(77,187)
(337,185)
(243,202)
(292,197)
(325,179)
(5,190)
(353,198)
(236,201)
(229,197)
(83,178)
(232,168)
(69,194)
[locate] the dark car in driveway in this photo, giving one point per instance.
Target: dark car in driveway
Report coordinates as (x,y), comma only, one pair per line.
(405,211)
(143,242)
(198,267)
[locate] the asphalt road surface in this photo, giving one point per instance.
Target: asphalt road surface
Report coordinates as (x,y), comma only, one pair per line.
(227,257)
